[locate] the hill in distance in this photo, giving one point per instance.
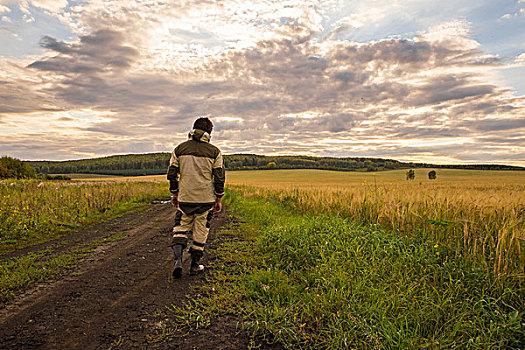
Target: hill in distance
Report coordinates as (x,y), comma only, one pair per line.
(157,163)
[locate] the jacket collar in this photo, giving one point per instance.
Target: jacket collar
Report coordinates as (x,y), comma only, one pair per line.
(199,135)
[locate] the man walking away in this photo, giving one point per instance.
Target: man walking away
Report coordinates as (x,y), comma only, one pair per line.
(196,175)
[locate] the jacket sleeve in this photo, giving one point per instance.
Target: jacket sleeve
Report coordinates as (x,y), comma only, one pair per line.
(173,173)
(218,176)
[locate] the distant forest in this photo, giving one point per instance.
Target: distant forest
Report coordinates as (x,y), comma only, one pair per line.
(157,163)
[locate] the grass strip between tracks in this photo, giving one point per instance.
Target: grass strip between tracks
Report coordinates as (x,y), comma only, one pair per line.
(19,273)
(320,281)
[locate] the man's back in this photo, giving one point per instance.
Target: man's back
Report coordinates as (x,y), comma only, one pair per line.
(200,166)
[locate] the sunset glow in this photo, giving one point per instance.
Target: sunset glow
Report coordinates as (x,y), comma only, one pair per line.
(421,81)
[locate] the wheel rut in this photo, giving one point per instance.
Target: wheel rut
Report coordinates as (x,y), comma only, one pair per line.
(113,295)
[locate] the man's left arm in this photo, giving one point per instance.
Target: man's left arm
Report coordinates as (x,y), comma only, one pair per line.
(173,177)
(219,177)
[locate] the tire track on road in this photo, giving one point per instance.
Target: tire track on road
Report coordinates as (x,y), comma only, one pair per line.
(110,295)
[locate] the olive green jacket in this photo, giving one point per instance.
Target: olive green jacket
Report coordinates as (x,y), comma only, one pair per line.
(196,170)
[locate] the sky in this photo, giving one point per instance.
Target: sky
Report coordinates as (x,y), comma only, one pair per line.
(411,80)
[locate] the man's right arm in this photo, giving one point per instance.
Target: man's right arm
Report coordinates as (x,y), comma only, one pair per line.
(218,176)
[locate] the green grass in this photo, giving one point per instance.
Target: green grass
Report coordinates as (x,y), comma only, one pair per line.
(325,282)
(58,230)
(19,273)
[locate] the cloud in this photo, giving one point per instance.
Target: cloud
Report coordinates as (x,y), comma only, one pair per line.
(453,35)
(499,124)
(27,15)
(7,30)
(50,5)
(141,76)
(101,51)
(517,13)
(520,59)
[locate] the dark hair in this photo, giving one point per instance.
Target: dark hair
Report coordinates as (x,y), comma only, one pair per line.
(203,123)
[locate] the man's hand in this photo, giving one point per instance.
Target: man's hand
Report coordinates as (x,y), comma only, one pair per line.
(175,199)
(218,206)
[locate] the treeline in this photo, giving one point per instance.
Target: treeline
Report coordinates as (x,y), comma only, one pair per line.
(465,166)
(127,165)
(157,163)
(12,168)
(253,161)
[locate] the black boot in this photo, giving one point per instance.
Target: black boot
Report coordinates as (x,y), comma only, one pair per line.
(177,251)
(195,268)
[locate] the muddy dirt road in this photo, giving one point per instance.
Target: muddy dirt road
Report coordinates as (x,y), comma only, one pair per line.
(111,297)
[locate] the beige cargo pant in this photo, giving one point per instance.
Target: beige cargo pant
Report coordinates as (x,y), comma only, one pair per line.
(194,219)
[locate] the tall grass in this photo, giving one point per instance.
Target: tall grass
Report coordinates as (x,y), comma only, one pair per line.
(323,281)
(34,210)
(484,221)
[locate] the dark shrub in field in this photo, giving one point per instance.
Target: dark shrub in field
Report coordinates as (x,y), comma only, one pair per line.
(15,168)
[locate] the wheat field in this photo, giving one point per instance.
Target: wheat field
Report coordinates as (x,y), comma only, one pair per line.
(480,214)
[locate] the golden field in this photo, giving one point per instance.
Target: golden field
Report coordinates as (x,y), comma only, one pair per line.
(480,214)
